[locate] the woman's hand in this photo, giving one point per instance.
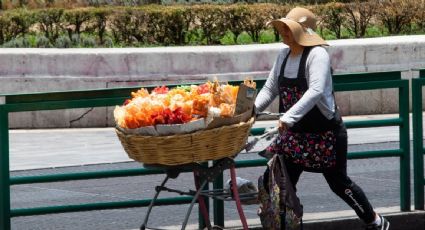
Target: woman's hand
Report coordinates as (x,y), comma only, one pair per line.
(283,127)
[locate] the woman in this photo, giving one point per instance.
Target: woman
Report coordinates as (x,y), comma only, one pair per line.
(312,134)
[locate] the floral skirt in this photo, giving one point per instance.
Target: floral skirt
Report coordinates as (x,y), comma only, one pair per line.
(314,151)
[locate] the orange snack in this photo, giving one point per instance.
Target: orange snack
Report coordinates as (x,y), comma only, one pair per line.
(119,115)
(177,91)
(177,105)
(215,99)
(250,83)
(187,107)
(204,88)
(200,106)
(227,110)
(140,93)
(160,90)
(235,90)
(176,100)
(229,94)
(136,117)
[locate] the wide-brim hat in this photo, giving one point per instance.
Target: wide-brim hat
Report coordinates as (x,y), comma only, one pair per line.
(302,23)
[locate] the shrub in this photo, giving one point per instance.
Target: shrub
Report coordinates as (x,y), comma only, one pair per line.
(42,42)
(108,42)
(129,26)
(236,16)
(63,42)
(50,22)
(359,17)
(17,23)
(257,19)
(88,41)
(17,43)
(331,16)
(177,23)
(211,20)
(419,18)
(155,25)
(75,20)
(397,15)
(100,19)
(75,40)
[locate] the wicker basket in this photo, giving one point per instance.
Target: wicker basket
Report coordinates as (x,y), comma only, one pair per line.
(182,149)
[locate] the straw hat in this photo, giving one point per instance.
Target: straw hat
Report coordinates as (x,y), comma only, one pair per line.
(302,23)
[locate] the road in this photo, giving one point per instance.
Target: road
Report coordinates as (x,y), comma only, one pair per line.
(38,152)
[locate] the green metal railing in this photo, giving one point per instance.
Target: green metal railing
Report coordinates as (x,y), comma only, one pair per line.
(111,97)
(385,81)
(418,148)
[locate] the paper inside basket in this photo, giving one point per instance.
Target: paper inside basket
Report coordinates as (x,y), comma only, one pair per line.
(146,131)
(222,121)
(189,127)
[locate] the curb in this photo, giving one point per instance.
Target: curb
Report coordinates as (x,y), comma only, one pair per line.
(412,220)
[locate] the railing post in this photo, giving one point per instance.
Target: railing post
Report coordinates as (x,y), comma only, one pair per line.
(4,169)
(218,205)
(405,146)
(418,150)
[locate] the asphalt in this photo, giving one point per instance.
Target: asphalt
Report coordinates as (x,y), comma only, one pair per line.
(40,152)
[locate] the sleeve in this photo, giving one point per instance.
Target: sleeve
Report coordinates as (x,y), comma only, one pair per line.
(271,88)
(318,63)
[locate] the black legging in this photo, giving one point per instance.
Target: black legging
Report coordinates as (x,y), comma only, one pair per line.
(339,182)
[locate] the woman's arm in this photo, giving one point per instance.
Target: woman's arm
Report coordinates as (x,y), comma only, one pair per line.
(317,73)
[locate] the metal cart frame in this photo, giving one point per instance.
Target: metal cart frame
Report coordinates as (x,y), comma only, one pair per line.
(202,176)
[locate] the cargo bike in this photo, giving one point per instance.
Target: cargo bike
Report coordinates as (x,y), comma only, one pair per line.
(175,154)
(184,129)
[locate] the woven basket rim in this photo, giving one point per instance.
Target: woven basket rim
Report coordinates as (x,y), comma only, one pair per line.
(178,149)
(251,120)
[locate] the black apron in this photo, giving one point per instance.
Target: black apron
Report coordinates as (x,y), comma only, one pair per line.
(310,143)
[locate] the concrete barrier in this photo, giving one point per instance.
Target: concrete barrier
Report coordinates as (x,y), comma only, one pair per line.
(45,70)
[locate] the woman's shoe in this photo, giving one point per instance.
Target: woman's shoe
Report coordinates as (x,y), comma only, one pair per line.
(385,225)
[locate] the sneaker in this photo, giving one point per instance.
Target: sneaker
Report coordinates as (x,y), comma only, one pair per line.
(385,225)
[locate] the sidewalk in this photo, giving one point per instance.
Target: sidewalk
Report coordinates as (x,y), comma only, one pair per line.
(48,148)
(342,220)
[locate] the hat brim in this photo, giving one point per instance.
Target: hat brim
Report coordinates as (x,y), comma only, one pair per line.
(301,35)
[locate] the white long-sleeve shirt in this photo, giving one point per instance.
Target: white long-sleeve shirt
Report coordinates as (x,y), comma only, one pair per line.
(319,82)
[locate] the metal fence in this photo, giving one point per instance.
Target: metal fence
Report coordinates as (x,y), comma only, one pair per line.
(111,97)
(418,149)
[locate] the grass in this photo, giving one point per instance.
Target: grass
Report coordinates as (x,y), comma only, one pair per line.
(372,31)
(266,36)
(375,31)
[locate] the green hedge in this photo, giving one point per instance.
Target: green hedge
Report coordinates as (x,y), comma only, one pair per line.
(156,25)
(69,4)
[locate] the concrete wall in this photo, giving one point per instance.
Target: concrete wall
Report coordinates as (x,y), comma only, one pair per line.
(45,70)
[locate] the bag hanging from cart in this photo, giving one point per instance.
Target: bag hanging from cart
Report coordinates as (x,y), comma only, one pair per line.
(279,208)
